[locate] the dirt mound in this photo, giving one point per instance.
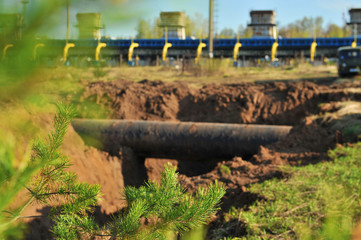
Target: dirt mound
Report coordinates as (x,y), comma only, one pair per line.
(268,103)
(306,144)
(144,100)
(97,167)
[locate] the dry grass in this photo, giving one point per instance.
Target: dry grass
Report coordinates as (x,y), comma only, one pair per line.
(218,72)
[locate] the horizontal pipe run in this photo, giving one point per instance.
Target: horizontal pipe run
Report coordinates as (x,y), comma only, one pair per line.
(179,140)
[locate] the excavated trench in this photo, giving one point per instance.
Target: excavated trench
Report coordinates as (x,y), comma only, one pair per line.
(271,103)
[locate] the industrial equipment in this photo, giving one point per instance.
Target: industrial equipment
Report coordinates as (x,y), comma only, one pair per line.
(179,140)
(349,60)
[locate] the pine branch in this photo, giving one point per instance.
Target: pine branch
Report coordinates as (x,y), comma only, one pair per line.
(166,206)
(53,182)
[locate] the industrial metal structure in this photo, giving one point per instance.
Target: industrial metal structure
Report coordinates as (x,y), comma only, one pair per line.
(263,24)
(349,61)
(89,25)
(355,20)
(210,29)
(176,46)
(173,24)
(151,48)
(179,140)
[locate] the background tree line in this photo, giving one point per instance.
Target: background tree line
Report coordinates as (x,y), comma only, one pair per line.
(197,26)
(313,27)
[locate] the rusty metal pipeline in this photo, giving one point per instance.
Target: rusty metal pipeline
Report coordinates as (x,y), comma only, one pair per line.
(179,140)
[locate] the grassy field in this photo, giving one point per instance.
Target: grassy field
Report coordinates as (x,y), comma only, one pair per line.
(319,201)
(220,72)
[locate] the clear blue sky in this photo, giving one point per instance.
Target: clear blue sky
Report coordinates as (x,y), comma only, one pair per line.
(121,16)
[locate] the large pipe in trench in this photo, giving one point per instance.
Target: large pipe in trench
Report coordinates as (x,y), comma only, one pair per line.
(179,140)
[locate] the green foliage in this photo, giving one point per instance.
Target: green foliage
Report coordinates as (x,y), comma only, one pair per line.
(157,31)
(245,32)
(227,33)
(304,28)
(198,233)
(334,30)
(317,202)
(12,180)
(51,183)
(225,170)
(313,27)
(54,183)
(144,29)
(165,207)
(99,72)
(190,26)
(352,131)
(200,23)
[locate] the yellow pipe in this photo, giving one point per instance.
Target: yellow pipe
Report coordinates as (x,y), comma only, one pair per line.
(313,51)
(6,49)
(199,51)
(165,50)
(36,48)
(131,50)
(66,50)
(97,50)
(274,51)
(236,50)
(354,43)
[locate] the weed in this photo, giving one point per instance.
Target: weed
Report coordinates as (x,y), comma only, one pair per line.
(225,170)
(352,131)
(99,72)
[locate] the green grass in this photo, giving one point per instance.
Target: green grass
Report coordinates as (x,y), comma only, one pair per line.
(225,170)
(321,201)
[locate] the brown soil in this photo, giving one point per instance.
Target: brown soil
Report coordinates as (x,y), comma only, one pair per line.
(268,102)
(281,103)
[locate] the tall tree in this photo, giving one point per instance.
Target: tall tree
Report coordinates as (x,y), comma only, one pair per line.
(144,29)
(303,28)
(244,32)
(227,33)
(334,30)
(200,26)
(247,33)
(157,30)
(190,27)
